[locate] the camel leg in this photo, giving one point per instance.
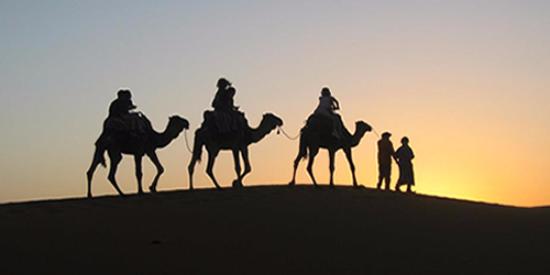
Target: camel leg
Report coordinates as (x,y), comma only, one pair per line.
(191,170)
(312,153)
(302,152)
(296,164)
(90,173)
(349,157)
(160,171)
(212,154)
(246,160)
(139,172)
(115,157)
(195,157)
(237,161)
(331,155)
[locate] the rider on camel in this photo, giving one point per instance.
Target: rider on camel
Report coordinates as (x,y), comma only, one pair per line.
(122,105)
(327,107)
(119,118)
(225,111)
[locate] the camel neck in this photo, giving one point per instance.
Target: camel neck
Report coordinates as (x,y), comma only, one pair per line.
(356,137)
(259,133)
(164,138)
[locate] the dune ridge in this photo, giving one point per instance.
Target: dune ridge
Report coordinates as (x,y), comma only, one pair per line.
(274,230)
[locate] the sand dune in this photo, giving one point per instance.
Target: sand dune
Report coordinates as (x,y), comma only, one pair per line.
(274,230)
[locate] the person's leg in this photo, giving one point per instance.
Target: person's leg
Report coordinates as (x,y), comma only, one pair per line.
(380,177)
(398,185)
(338,125)
(379,183)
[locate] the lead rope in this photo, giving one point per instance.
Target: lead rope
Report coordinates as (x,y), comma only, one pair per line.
(376,133)
(187,142)
(281,130)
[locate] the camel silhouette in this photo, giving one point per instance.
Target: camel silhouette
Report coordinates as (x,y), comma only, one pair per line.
(318,134)
(237,141)
(138,145)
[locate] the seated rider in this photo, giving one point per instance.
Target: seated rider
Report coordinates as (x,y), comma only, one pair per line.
(220,102)
(327,105)
(122,105)
(119,118)
(224,109)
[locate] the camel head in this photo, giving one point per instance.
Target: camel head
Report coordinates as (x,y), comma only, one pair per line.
(271,121)
(177,124)
(362,127)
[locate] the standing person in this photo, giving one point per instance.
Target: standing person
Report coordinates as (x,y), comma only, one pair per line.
(385,155)
(404,156)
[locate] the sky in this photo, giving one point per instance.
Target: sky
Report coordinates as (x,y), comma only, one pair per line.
(466,81)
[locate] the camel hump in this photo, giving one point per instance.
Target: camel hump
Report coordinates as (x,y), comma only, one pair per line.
(320,124)
(225,122)
(129,123)
(326,125)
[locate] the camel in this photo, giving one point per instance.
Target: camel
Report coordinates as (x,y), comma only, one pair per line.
(318,134)
(137,145)
(208,136)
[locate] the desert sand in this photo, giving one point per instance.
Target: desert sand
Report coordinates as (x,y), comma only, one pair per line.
(273,230)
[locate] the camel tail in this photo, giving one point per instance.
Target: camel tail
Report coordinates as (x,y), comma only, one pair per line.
(99,155)
(303,147)
(102,159)
(197,147)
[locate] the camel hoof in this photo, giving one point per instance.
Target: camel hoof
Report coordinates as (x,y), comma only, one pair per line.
(153,189)
(237,184)
(292,183)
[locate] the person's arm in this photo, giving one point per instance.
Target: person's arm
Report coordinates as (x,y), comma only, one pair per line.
(335,104)
(131,105)
(393,154)
(216,101)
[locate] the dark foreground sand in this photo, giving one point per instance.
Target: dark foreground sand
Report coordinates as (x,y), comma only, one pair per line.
(275,230)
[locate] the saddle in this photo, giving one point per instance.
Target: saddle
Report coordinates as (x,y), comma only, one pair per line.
(134,123)
(225,122)
(326,125)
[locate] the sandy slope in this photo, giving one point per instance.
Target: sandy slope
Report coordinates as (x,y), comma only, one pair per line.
(272,230)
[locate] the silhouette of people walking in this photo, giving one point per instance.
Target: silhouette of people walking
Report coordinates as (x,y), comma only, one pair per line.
(385,155)
(404,156)
(327,107)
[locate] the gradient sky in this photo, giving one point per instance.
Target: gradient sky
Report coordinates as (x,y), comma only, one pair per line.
(467,81)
